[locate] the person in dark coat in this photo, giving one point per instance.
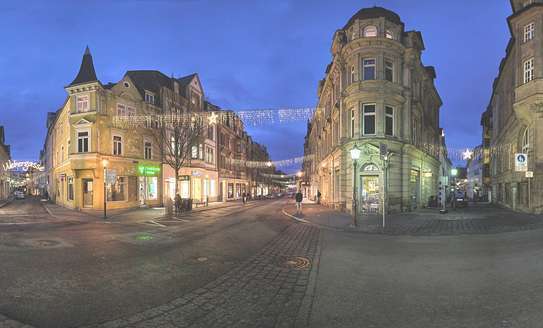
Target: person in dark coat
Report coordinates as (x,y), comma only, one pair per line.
(299,197)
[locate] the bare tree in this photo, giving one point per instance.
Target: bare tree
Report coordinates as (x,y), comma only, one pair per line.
(176,130)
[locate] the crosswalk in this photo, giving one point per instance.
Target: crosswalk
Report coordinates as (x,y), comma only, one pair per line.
(205,215)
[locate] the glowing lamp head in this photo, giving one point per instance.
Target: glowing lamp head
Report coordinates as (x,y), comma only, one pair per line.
(105,162)
(299,174)
(269,164)
(454,172)
(355,153)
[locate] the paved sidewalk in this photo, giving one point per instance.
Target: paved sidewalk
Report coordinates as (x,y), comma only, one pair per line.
(475,219)
(6,322)
(5,202)
(123,215)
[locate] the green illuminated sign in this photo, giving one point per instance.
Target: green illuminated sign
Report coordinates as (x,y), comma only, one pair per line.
(148,170)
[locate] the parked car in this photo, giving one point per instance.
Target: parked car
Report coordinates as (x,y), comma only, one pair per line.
(461,198)
(19,194)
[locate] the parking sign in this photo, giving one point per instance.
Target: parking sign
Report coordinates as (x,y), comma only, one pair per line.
(521,162)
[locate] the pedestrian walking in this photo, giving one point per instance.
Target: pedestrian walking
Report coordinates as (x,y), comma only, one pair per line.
(299,197)
(177,203)
(318,197)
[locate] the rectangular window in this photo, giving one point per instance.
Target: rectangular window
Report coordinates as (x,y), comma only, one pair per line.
(369,119)
(529,32)
(528,70)
(352,122)
(369,69)
(210,134)
(149,98)
(148,150)
(117,191)
(201,151)
(194,153)
(389,70)
(83,104)
(389,121)
(82,142)
(117,145)
(70,188)
(121,110)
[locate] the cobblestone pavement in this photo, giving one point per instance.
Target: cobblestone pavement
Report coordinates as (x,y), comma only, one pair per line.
(271,289)
(6,322)
(478,219)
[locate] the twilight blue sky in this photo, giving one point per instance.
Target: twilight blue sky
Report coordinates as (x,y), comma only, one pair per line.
(249,54)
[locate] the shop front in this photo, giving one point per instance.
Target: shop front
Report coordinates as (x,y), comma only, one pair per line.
(200,185)
(148,186)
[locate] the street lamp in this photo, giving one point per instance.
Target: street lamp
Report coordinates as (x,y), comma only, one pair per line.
(105,163)
(355,155)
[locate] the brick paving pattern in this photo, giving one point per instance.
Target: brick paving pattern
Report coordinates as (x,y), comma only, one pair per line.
(264,291)
(471,220)
(6,322)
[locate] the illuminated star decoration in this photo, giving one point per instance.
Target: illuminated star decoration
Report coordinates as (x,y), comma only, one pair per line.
(467,154)
(213,118)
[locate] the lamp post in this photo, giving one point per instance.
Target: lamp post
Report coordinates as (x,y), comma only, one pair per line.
(355,155)
(105,163)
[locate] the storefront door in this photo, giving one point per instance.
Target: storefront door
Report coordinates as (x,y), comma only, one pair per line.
(414,188)
(369,194)
(87,193)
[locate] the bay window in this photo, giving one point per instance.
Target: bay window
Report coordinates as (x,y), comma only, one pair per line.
(389,121)
(369,119)
(369,68)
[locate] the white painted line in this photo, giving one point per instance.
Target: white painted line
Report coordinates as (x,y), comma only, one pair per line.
(294,217)
(153,222)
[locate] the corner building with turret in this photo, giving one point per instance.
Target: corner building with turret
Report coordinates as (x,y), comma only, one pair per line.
(375,92)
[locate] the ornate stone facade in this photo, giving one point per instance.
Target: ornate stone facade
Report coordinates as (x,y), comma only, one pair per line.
(376,91)
(513,121)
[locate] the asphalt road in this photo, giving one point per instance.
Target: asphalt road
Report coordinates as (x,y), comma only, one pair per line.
(23,207)
(475,281)
(253,267)
(81,274)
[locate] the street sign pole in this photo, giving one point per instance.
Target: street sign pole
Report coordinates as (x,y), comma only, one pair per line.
(105,192)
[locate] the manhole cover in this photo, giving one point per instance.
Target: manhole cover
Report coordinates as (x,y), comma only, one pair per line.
(296,262)
(46,243)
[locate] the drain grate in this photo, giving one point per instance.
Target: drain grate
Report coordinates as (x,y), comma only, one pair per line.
(295,262)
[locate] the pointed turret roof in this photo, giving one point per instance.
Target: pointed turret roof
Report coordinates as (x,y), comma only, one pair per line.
(86,71)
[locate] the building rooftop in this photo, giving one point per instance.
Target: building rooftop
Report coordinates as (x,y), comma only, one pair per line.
(374,12)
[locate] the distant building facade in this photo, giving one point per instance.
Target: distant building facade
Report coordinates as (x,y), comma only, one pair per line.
(475,189)
(5,158)
(513,121)
(88,157)
(376,91)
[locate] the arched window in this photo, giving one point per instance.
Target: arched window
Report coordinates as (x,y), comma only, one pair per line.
(526,141)
(389,34)
(370,31)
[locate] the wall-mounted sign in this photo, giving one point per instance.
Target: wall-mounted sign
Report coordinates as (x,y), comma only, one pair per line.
(529,174)
(184,178)
(148,170)
(521,162)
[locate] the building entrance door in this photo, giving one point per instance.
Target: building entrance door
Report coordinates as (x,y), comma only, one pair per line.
(369,194)
(87,193)
(414,188)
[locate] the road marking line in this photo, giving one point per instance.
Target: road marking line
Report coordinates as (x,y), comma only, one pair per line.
(294,217)
(153,222)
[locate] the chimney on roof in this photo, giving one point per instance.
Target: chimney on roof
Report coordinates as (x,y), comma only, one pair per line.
(86,71)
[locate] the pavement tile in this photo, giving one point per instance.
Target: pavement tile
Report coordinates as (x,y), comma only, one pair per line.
(255,294)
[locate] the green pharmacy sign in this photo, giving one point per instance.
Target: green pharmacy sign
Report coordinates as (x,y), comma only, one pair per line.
(148,170)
